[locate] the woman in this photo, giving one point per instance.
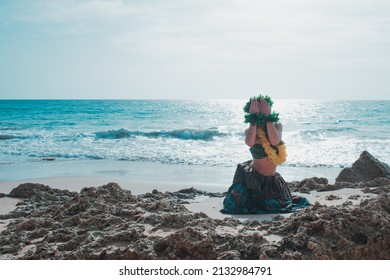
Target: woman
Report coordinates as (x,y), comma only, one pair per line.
(257,187)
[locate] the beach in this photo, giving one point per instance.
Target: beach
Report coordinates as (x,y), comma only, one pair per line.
(178,217)
(135,179)
(136,176)
(128,133)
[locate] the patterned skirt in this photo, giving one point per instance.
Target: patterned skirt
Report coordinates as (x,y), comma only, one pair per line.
(253,193)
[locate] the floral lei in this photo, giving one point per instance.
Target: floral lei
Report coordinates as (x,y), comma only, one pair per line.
(277,154)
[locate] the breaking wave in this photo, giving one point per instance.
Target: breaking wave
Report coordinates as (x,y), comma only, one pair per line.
(183,134)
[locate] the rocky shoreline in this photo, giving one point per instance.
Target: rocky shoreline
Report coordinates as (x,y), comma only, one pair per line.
(109,222)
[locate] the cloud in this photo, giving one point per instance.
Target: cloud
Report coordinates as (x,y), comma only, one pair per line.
(209,40)
(70,16)
(293,24)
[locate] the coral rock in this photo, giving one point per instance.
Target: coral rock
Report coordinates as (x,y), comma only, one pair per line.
(365,168)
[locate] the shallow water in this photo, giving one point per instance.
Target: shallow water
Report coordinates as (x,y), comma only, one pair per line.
(187,132)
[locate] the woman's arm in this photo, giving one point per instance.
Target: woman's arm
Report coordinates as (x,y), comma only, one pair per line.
(274,133)
(274,130)
(250,133)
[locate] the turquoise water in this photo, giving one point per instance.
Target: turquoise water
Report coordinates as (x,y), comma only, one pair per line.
(188,132)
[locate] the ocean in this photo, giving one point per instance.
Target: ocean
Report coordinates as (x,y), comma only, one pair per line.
(318,133)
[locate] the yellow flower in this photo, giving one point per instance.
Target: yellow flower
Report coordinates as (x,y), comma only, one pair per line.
(278,155)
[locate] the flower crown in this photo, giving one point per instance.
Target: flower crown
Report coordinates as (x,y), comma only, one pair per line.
(259,119)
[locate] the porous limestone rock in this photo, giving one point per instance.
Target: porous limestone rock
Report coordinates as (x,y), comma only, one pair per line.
(365,168)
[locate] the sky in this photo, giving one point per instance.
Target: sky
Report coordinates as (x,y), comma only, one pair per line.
(175,49)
